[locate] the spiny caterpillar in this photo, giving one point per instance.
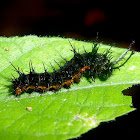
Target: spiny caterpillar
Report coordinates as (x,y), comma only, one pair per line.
(89,64)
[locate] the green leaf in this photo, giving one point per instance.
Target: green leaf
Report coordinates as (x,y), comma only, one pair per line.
(70,112)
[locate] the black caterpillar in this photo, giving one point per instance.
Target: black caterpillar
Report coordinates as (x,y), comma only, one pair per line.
(89,64)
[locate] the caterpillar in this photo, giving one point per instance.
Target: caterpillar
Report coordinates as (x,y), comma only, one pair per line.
(89,64)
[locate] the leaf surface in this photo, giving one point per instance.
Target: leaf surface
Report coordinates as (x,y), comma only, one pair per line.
(70,112)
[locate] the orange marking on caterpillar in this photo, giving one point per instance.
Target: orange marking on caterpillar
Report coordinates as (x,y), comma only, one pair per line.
(55,87)
(19,90)
(68,83)
(84,69)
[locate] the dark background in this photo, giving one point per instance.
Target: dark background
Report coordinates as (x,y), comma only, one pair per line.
(116,22)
